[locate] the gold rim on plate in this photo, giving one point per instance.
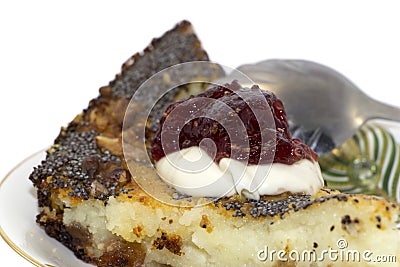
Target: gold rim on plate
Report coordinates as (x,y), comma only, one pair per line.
(17,249)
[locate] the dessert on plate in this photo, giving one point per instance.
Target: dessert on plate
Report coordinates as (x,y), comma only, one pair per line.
(100,197)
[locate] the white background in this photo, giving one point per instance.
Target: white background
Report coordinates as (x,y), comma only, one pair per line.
(54,56)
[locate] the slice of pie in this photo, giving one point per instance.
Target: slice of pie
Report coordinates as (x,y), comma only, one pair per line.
(91,202)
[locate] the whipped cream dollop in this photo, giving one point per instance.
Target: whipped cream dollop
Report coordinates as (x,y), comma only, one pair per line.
(193,172)
(233,140)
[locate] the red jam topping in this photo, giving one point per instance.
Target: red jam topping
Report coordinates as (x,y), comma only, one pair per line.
(218,114)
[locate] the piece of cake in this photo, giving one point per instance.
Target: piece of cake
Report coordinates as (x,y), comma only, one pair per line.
(93,197)
(86,161)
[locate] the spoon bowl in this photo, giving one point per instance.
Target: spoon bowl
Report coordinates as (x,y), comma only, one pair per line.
(323,107)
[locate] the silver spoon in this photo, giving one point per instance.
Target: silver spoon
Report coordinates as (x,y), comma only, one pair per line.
(324,108)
